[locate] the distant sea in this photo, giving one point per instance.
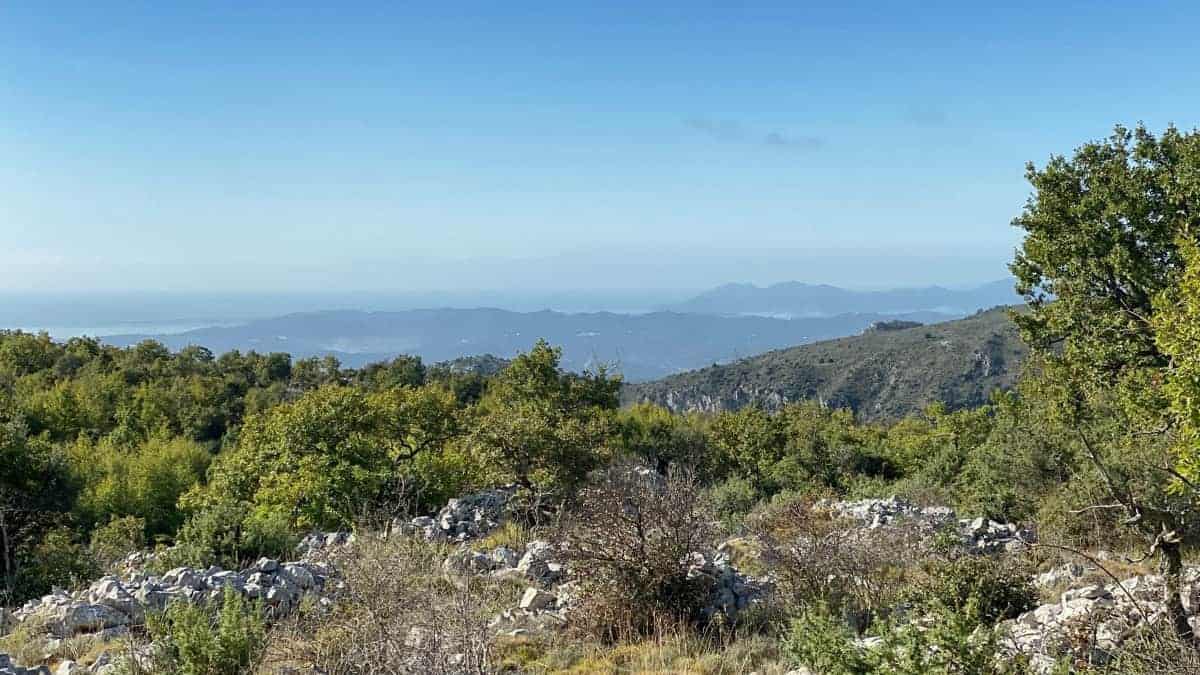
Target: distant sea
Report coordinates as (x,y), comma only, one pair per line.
(63,332)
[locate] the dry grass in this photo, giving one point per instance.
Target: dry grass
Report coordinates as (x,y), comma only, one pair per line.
(675,651)
(510,534)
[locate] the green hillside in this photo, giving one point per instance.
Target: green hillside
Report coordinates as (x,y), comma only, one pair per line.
(881,374)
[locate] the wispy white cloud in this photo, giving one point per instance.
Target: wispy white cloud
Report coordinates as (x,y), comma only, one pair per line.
(732,131)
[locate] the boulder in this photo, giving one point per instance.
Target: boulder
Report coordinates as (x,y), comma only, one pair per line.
(535,599)
(299,575)
(109,591)
(76,618)
(536,563)
(184,577)
(69,667)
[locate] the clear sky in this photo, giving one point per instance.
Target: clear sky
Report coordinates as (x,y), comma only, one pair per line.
(258,145)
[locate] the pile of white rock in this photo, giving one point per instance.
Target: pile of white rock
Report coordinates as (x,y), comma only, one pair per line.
(461,519)
(316,543)
(112,605)
(730,591)
(979,535)
(1109,613)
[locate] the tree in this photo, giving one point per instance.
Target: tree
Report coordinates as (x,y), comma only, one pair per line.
(402,371)
(1106,233)
(663,439)
(313,462)
(35,496)
(323,459)
(144,481)
(543,425)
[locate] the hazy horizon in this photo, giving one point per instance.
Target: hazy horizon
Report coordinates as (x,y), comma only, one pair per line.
(661,270)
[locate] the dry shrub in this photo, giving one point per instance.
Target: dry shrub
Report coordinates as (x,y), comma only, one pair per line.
(1154,650)
(397,613)
(629,539)
(818,558)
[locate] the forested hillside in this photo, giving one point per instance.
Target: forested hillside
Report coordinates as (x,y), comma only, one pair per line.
(881,374)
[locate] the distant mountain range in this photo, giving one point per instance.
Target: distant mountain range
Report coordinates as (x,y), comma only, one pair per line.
(882,374)
(794,299)
(640,346)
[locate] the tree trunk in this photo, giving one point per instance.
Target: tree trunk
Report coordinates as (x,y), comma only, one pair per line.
(1172,571)
(9,575)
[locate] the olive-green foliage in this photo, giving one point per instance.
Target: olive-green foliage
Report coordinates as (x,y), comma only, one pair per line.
(57,559)
(542,426)
(221,532)
(803,446)
(144,480)
(198,643)
(327,460)
(81,387)
(1108,233)
(1101,242)
(731,500)
(947,627)
(402,371)
(1177,320)
(317,461)
(662,439)
(36,491)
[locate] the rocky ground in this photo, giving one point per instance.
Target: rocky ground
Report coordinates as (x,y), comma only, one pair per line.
(114,605)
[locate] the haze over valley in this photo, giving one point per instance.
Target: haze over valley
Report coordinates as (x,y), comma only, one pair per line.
(660,335)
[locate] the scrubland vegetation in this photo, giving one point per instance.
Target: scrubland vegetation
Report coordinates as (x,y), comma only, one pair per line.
(223,460)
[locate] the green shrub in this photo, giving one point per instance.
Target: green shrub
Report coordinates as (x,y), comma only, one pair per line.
(732,500)
(57,560)
(198,643)
(943,642)
(824,644)
(225,532)
(116,539)
(986,589)
(143,480)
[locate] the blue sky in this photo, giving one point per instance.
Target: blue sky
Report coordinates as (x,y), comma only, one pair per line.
(394,146)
